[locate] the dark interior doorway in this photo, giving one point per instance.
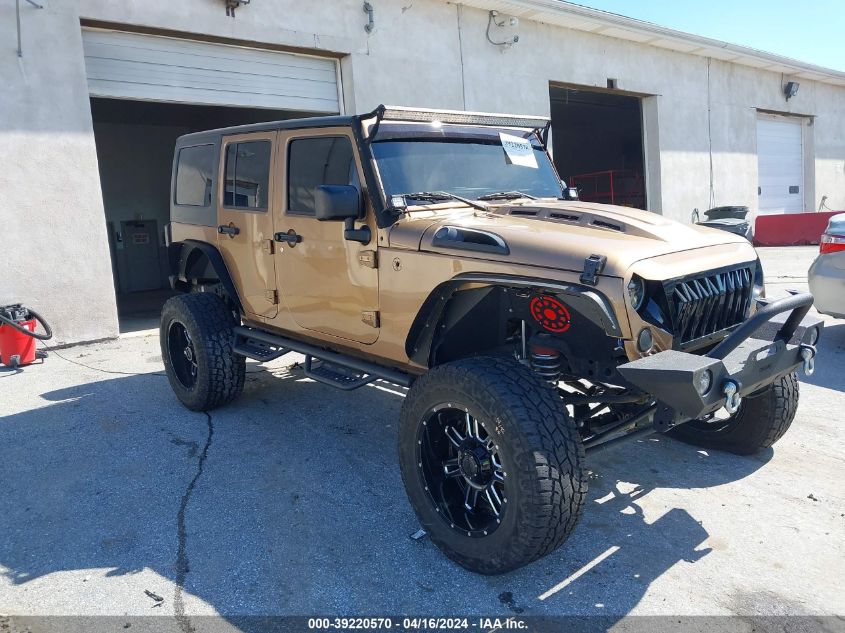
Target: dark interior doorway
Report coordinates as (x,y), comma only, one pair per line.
(135,141)
(598,144)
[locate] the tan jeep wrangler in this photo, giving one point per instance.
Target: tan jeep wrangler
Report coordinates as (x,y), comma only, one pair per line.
(440,251)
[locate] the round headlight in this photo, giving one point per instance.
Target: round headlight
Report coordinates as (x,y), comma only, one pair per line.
(636,292)
(705,381)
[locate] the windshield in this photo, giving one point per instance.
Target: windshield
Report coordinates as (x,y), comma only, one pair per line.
(468,162)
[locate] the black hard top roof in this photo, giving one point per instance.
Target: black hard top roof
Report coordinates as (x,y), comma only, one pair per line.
(209,136)
(382,113)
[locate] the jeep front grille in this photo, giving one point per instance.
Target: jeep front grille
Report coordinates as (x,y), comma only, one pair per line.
(708,304)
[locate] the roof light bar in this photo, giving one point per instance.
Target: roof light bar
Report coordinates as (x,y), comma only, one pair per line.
(398,113)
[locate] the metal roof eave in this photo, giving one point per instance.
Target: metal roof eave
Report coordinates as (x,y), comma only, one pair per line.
(581,18)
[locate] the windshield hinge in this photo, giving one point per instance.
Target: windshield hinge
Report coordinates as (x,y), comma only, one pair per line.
(371,318)
(593,266)
(368,259)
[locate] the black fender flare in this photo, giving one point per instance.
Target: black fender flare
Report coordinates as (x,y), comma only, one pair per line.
(584,299)
(179,254)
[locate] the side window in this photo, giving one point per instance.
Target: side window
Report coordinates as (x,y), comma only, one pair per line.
(247,175)
(194,169)
(325,160)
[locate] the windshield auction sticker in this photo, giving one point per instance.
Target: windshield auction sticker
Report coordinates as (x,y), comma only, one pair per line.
(518,150)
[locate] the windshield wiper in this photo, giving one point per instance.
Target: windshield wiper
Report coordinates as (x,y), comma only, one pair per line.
(507,195)
(435,196)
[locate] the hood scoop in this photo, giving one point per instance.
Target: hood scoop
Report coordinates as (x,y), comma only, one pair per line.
(563,216)
(468,239)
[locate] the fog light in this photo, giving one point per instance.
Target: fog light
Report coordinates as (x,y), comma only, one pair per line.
(705,381)
(645,341)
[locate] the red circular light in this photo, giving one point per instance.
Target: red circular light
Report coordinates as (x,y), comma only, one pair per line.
(550,313)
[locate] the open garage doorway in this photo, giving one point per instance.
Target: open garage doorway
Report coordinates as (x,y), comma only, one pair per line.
(147,90)
(597,139)
(135,142)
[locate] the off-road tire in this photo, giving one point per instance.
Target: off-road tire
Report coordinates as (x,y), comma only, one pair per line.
(539,447)
(761,421)
(220,372)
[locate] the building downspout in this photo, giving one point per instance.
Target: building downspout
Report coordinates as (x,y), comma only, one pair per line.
(460,11)
(18,21)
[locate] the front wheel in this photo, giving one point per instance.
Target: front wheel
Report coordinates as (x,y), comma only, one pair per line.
(761,421)
(492,463)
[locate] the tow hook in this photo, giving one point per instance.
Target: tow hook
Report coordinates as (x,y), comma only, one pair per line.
(732,398)
(808,353)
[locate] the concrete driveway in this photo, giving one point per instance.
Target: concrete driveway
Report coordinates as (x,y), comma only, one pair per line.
(115,500)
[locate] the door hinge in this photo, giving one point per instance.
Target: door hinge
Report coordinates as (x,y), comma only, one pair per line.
(267,247)
(371,318)
(272,296)
(368,259)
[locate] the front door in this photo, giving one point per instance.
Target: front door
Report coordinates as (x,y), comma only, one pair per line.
(328,284)
(245,216)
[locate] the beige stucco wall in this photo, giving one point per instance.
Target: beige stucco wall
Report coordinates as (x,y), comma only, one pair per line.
(55,255)
(422,52)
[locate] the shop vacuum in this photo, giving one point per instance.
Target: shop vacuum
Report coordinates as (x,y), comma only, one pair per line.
(18,335)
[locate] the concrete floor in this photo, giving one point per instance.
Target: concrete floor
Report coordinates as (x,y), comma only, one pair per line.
(140,311)
(115,500)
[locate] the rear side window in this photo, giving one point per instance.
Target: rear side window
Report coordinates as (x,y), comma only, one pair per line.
(247,175)
(326,160)
(194,169)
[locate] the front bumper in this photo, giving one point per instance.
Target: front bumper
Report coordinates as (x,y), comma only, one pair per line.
(775,341)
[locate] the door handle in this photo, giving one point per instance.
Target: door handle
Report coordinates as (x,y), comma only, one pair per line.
(228,229)
(290,237)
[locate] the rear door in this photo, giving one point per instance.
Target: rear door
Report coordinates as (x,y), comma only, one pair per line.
(245,218)
(328,284)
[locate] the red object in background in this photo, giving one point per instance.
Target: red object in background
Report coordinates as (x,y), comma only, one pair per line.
(14,343)
(616,186)
(791,229)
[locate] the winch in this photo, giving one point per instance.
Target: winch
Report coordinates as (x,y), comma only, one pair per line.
(18,335)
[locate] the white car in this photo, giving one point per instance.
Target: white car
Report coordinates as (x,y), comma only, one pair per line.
(827,274)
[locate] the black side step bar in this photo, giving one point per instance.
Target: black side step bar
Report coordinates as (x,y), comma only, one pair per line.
(328,374)
(257,350)
(248,340)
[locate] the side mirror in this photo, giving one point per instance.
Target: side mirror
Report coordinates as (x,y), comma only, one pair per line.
(337,202)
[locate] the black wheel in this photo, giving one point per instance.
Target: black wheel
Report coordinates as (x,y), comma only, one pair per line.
(761,420)
(492,463)
(196,347)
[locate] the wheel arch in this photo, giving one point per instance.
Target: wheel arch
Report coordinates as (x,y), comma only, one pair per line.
(454,303)
(194,262)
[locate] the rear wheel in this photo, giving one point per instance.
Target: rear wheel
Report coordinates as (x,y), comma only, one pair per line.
(492,463)
(761,421)
(196,346)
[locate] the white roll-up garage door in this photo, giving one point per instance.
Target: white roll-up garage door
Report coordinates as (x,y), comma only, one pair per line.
(135,66)
(780,164)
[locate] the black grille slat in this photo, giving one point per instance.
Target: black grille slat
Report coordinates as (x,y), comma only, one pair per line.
(709,303)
